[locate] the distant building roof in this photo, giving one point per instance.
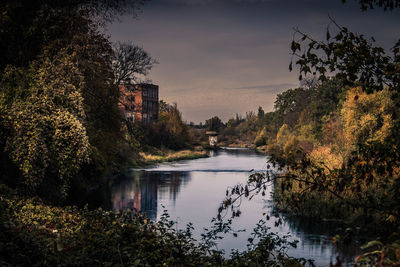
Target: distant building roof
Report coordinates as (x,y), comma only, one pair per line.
(212,133)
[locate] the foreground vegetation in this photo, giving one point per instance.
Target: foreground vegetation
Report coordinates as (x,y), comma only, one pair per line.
(33,233)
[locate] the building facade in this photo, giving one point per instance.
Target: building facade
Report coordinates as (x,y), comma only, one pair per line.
(139,102)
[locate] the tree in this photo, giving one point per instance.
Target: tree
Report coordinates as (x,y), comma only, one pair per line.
(360,84)
(353,58)
(28,26)
(367,117)
(214,124)
(370,4)
(170,131)
(289,105)
(47,133)
(58,93)
(129,61)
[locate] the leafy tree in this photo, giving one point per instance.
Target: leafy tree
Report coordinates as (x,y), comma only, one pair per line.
(214,124)
(170,131)
(29,26)
(260,113)
(352,56)
(47,134)
(54,52)
(370,4)
(290,104)
(360,84)
(367,117)
(233,122)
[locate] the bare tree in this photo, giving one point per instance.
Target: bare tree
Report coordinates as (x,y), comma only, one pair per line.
(130,61)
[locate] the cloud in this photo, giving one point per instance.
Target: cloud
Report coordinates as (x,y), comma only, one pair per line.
(269,88)
(219,57)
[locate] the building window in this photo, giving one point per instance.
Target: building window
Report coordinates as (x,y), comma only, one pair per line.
(130,98)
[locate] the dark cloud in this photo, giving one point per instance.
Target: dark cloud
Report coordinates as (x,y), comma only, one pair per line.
(219,57)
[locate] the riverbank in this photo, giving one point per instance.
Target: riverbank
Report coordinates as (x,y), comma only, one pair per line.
(159,156)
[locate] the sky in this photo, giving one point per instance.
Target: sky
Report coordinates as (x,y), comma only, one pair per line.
(222,57)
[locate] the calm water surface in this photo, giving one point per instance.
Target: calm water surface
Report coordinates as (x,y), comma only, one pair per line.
(192,190)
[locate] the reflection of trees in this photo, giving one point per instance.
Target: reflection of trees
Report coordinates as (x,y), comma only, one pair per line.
(317,235)
(140,190)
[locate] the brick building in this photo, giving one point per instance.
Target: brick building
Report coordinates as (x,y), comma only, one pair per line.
(139,102)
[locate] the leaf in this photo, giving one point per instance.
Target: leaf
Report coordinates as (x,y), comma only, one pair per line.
(373,243)
(360,259)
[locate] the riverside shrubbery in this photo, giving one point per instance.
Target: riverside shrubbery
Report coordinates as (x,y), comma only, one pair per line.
(35,234)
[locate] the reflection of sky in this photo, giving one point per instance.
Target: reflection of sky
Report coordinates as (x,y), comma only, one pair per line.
(191,192)
(219,57)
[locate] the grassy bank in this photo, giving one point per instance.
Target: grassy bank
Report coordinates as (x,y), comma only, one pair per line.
(159,156)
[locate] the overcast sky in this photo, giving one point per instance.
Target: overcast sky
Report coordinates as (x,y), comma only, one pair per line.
(222,57)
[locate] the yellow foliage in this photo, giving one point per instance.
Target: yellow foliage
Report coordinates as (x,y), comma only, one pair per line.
(54,219)
(306,133)
(367,117)
(173,155)
(324,157)
(291,145)
(283,134)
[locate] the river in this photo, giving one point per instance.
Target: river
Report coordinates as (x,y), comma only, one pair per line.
(192,190)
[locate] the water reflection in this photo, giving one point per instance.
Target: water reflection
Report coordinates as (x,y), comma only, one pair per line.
(192,190)
(140,190)
(316,237)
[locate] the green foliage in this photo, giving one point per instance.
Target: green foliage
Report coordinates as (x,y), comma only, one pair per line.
(170,131)
(290,104)
(27,27)
(47,136)
(214,124)
(376,253)
(353,57)
(261,138)
(59,106)
(267,249)
(36,234)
